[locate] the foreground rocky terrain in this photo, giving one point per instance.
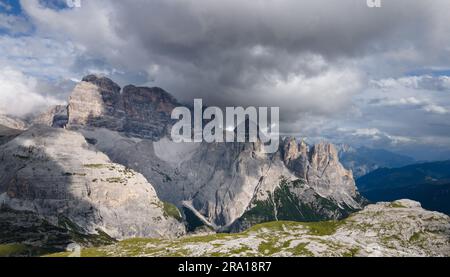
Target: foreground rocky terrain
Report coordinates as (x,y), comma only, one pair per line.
(400,228)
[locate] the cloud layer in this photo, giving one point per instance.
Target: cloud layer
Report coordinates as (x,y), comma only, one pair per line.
(19,94)
(329,65)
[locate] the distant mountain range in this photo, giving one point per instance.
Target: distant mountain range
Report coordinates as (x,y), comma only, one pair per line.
(364,160)
(428,183)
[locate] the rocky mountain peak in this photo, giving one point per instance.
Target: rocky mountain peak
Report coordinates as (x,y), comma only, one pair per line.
(290,150)
(320,167)
(102,82)
(323,153)
(159,99)
(55,117)
(137,111)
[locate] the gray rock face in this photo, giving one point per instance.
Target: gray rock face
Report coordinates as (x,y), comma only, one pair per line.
(37,236)
(57,175)
(7,134)
(136,111)
(12,122)
(321,169)
(10,127)
(216,180)
(56,116)
(220,182)
(96,101)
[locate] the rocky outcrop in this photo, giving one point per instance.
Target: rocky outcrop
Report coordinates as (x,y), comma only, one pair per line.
(57,175)
(10,127)
(136,111)
(7,134)
(56,116)
(96,101)
(398,229)
(27,234)
(12,122)
(320,168)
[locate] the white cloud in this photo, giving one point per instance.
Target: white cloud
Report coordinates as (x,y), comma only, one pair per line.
(423,82)
(19,95)
(268,53)
(422,104)
(377,135)
(436,109)
(38,56)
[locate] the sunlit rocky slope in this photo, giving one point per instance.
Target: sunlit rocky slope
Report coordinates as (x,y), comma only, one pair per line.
(400,228)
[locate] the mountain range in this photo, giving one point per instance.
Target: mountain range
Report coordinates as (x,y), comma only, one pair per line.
(428,183)
(103,168)
(363,160)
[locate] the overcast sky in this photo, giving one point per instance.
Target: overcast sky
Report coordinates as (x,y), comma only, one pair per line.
(338,70)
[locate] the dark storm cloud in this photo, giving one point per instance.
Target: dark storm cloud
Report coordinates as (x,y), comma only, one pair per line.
(328,64)
(214,47)
(239,51)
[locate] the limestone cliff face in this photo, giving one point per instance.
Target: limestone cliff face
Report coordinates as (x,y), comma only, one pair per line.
(56,116)
(321,169)
(147,111)
(137,111)
(57,175)
(96,101)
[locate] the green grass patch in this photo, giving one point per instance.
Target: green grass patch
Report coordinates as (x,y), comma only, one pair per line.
(396,205)
(170,210)
(115,180)
(301,250)
(323,228)
(13,249)
(95,165)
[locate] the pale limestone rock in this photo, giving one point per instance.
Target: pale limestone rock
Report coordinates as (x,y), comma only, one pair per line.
(398,229)
(55,173)
(321,169)
(56,116)
(135,111)
(12,122)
